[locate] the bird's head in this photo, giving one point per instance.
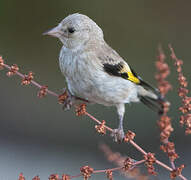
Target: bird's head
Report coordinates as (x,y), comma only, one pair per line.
(76,30)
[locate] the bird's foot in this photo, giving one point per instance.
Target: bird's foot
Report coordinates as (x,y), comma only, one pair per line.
(118,135)
(69,100)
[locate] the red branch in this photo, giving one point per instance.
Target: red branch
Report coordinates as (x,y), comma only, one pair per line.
(81,110)
(164,123)
(185,109)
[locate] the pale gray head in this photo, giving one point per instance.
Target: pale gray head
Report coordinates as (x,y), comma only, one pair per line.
(76,30)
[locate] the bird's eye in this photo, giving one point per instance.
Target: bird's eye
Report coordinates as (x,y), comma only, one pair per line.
(71,30)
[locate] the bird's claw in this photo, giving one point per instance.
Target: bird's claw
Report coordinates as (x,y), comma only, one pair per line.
(118,135)
(69,101)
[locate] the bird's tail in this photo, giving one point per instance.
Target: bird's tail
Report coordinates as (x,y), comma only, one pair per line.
(151,97)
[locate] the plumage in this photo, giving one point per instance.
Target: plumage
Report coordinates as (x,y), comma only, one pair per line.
(121,70)
(96,72)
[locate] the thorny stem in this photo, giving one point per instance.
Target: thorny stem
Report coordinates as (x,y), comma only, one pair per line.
(108,128)
(164,86)
(140,149)
(112,169)
(137,147)
(72,177)
(172,164)
(168,168)
(185,109)
(119,168)
(163,165)
(97,121)
(33,82)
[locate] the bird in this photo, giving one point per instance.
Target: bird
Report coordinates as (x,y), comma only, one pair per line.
(96,72)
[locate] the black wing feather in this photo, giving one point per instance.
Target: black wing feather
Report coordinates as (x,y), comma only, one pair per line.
(114,69)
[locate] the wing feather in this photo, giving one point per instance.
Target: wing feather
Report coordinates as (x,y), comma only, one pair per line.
(114,65)
(121,69)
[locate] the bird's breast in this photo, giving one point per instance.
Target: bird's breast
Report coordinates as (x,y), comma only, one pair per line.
(77,72)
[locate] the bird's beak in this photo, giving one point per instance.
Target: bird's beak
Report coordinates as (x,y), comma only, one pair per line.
(55,32)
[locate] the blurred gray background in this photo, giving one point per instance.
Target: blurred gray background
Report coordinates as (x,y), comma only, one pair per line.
(36,136)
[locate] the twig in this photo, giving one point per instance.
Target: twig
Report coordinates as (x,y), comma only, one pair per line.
(185,109)
(129,136)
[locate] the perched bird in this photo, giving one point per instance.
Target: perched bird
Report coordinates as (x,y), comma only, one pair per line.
(96,72)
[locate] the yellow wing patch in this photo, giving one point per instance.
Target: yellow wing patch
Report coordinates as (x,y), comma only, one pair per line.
(130,76)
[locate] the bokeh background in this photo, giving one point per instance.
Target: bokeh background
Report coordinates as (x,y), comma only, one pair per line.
(36,136)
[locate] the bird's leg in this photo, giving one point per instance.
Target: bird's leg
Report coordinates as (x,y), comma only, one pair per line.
(118,134)
(69,101)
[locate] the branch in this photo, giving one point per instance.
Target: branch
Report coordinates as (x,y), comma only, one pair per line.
(86,171)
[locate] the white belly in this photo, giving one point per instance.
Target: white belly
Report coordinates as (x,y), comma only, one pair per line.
(92,83)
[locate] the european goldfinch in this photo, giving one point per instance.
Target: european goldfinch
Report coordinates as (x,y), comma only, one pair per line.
(96,72)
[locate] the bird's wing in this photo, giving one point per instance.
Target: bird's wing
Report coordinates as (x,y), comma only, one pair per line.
(114,65)
(122,70)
